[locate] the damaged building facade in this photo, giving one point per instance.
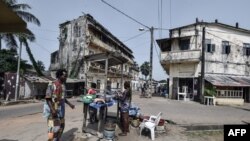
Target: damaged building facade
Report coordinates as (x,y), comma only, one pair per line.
(83,38)
(227,66)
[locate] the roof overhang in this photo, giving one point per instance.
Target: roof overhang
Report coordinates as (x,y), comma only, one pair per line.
(228,81)
(114,58)
(10,22)
(166,42)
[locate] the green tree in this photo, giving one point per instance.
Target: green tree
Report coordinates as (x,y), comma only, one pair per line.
(163,81)
(8,61)
(40,65)
(145,69)
(11,38)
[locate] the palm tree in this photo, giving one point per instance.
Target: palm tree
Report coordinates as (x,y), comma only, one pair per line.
(41,66)
(145,69)
(11,38)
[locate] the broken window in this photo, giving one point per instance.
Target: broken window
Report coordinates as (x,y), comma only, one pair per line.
(64,34)
(209,46)
(184,44)
(91,52)
(246,49)
(77,30)
(225,47)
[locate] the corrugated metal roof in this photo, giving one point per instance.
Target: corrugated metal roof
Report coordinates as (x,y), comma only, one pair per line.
(70,80)
(230,81)
(37,79)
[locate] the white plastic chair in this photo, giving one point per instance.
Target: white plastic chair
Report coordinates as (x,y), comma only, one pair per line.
(151,124)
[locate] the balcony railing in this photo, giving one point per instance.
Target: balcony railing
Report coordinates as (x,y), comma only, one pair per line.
(180,56)
(100,43)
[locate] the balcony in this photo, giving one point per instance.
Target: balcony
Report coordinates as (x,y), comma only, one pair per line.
(54,66)
(97,42)
(180,56)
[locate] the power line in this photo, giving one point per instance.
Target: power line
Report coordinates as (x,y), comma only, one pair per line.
(47,39)
(135,36)
(170,14)
(125,14)
(157,52)
(225,39)
(45,30)
(42,47)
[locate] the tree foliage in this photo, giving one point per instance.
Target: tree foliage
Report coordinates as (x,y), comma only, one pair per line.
(145,69)
(40,65)
(8,61)
(10,39)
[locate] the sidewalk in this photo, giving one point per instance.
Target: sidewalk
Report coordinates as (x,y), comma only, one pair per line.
(189,114)
(182,113)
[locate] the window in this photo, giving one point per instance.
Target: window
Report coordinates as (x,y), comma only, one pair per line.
(184,44)
(225,47)
(246,49)
(77,30)
(91,52)
(209,47)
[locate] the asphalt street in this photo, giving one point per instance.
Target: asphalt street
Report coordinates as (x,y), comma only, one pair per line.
(24,122)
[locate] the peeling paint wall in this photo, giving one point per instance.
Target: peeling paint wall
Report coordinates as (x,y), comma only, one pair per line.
(235,62)
(84,36)
(183,63)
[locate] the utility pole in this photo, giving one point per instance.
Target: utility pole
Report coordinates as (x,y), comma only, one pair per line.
(151,30)
(18,72)
(203,63)
(151,59)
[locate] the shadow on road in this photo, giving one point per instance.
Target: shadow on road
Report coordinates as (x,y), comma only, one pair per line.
(8,140)
(69,135)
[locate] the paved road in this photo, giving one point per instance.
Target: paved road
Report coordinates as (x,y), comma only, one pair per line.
(22,124)
(21,110)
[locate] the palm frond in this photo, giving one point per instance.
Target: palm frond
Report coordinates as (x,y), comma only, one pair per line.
(9,2)
(20,7)
(10,40)
(31,37)
(28,17)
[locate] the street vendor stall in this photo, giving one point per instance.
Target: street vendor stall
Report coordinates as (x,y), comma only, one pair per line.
(108,60)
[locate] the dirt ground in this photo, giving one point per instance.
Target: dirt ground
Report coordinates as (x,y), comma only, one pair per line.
(172,133)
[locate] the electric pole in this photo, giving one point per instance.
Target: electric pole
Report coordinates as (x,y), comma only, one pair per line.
(18,73)
(203,63)
(151,58)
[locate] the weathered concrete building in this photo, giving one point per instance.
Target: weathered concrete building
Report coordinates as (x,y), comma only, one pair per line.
(227,51)
(84,37)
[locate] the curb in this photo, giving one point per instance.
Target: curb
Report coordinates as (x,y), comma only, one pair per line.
(8,103)
(202,127)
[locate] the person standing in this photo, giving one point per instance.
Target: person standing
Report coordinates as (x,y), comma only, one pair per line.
(125,99)
(55,99)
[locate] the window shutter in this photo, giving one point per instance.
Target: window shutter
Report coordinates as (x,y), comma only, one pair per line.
(223,49)
(247,51)
(227,49)
(244,51)
(213,48)
(208,47)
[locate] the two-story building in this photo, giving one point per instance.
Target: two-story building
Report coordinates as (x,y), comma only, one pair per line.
(226,63)
(85,37)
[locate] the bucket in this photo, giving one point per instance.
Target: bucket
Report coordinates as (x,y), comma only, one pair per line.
(109,125)
(109,135)
(109,130)
(135,123)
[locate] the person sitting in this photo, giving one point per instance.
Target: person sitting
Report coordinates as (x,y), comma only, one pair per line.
(92,90)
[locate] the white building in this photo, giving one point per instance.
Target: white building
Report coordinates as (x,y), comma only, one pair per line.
(227,51)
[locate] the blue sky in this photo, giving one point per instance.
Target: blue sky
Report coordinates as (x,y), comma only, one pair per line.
(171,14)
